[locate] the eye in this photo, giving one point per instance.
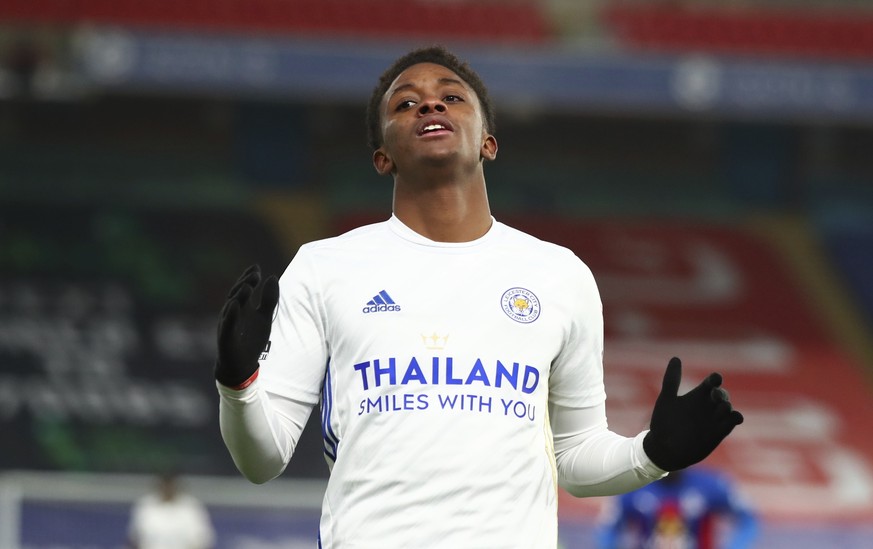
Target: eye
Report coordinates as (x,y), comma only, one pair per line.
(453,99)
(405,104)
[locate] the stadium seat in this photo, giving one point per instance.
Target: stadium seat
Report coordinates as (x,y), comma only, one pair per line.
(800,32)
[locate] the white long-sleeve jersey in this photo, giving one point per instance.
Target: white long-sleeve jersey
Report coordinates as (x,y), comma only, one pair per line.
(459,384)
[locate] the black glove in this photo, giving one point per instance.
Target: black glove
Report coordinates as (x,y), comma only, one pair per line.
(244,326)
(685,429)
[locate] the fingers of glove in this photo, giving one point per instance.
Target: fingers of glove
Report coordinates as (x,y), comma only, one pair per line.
(701,396)
(227,324)
(269,296)
(713,380)
(250,281)
(250,269)
(723,406)
(705,392)
(672,378)
(224,310)
(719,394)
(736,417)
(722,410)
(723,426)
(250,278)
(241,297)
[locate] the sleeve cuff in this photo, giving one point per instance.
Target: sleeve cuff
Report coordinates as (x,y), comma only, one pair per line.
(247,382)
(238,390)
(645,465)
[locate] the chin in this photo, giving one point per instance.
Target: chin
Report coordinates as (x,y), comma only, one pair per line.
(439,158)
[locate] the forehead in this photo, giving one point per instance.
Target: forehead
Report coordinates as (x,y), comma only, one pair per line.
(422,74)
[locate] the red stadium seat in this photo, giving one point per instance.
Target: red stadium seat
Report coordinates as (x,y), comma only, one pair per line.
(471,20)
(809,33)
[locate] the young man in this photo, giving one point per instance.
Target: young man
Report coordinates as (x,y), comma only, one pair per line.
(457,361)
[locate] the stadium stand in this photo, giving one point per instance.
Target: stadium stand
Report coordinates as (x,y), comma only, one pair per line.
(513,21)
(811,32)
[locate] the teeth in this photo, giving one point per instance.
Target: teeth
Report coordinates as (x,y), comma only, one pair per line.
(433,127)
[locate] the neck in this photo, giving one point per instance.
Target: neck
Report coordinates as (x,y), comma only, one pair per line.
(448,211)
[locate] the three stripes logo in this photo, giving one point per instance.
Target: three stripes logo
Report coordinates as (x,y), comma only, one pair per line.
(380,303)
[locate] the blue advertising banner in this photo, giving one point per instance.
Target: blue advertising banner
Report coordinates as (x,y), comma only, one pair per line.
(544,79)
(77,525)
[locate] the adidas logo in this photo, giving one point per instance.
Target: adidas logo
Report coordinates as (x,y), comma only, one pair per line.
(381,302)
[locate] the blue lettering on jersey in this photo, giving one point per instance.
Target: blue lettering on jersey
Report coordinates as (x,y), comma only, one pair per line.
(478,374)
(503,373)
(362,367)
(518,408)
(531,379)
(393,403)
(381,372)
(390,371)
(450,379)
(413,373)
(473,403)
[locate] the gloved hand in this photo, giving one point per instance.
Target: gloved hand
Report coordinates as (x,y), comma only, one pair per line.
(685,429)
(244,326)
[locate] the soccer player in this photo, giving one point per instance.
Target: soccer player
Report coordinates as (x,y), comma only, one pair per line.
(457,361)
(696,508)
(168,518)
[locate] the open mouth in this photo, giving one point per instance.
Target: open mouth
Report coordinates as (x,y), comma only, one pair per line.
(432,127)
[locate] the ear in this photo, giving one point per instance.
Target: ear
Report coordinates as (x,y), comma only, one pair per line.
(382,162)
(489,147)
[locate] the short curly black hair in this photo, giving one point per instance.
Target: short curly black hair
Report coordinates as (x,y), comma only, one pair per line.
(438,55)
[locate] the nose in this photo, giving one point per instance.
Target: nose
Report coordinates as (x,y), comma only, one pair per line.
(431,105)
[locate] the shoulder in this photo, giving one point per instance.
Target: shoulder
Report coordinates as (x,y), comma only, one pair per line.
(350,239)
(544,247)
(548,255)
(351,246)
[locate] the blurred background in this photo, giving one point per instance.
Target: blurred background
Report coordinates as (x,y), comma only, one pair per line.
(712,162)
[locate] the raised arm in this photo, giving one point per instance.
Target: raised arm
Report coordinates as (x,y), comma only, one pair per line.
(259,429)
(594,461)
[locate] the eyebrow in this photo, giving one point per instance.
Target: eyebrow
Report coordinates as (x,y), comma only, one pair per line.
(444,81)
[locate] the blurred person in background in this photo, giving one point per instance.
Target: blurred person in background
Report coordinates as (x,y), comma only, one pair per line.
(696,508)
(169,518)
(457,361)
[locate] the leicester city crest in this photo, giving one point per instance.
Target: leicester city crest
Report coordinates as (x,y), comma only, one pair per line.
(520,305)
